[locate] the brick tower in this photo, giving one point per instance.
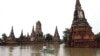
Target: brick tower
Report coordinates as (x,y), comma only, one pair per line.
(81,34)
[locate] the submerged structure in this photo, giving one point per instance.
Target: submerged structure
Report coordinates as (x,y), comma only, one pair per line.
(81,34)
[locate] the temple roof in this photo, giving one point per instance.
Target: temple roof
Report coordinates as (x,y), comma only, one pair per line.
(21,35)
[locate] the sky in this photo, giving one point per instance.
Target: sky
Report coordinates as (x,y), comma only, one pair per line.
(23,14)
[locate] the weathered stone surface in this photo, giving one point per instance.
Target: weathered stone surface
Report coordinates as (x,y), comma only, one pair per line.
(81,34)
(38,33)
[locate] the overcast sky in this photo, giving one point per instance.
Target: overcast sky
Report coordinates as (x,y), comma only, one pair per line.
(23,14)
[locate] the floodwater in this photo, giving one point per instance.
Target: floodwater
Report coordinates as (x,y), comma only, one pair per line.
(35,50)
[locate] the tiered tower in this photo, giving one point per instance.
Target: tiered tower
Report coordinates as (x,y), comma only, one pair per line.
(81,34)
(56,38)
(38,33)
(11,39)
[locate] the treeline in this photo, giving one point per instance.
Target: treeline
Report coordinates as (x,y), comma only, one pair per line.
(48,38)
(98,37)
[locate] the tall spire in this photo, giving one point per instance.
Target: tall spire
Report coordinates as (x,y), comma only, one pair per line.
(38,28)
(56,36)
(33,30)
(12,33)
(78,5)
(33,33)
(79,15)
(56,32)
(12,30)
(80,31)
(21,36)
(28,35)
(22,32)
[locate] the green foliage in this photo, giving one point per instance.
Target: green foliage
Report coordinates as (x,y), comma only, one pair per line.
(66,34)
(4,36)
(49,37)
(98,37)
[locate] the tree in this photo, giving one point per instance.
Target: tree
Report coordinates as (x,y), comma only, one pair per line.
(98,37)
(66,34)
(4,36)
(48,37)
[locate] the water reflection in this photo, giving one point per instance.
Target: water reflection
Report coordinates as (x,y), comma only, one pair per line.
(34,50)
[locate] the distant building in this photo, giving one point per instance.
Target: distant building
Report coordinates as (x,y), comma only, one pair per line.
(28,38)
(32,37)
(37,35)
(11,39)
(22,39)
(81,34)
(56,37)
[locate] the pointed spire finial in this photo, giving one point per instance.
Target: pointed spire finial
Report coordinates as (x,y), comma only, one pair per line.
(27,34)
(56,28)
(56,32)
(12,29)
(78,5)
(21,35)
(33,29)
(22,32)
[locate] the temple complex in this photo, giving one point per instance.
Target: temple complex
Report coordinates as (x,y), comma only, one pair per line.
(81,34)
